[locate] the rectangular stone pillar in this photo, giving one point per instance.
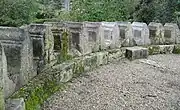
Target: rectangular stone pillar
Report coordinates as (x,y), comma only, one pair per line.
(43,44)
(171,33)
(109,33)
(156,31)
(91,37)
(2,73)
(126,34)
(18,51)
(76,38)
(141,33)
(57,29)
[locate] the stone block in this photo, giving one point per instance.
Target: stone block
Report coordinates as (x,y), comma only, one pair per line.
(141,33)
(114,55)
(91,37)
(109,32)
(57,29)
(156,31)
(18,51)
(171,33)
(102,58)
(90,62)
(125,34)
(15,104)
(43,43)
(76,38)
(160,49)
(133,53)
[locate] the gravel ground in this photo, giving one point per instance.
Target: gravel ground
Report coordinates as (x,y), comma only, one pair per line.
(124,85)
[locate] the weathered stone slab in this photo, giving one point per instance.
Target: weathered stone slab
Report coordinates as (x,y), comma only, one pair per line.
(171,33)
(156,33)
(109,33)
(91,37)
(15,104)
(3,72)
(126,34)
(102,58)
(141,33)
(115,55)
(18,51)
(133,53)
(160,49)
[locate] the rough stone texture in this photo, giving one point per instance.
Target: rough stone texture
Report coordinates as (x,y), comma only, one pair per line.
(109,33)
(133,53)
(102,58)
(156,31)
(53,78)
(115,55)
(92,41)
(141,33)
(18,51)
(160,49)
(171,32)
(176,49)
(3,72)
(43,44)
(124,85)
(15,104)
(76,36)
(126,34)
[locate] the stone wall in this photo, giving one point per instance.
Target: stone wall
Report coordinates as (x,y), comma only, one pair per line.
(35,48)
(18,51)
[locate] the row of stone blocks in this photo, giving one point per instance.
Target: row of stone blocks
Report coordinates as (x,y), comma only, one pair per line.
(88,37)
(26,49)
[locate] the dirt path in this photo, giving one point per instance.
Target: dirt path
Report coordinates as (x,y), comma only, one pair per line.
(152,84)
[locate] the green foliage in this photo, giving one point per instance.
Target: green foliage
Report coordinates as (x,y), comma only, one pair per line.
(19,12)
(100,10)
(16,12)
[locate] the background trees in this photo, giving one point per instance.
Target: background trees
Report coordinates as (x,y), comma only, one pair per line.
(19,12)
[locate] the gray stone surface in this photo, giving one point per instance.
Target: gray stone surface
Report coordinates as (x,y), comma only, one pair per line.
(18,51)
(141,33)
(156,31)
(109,33)
(91,37)
(126,34)
(133,53)
(3,72)
(15,104)
(43,42)
(171,32)
(76,36)
(161,49)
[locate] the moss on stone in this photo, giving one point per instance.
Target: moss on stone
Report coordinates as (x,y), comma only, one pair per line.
(176,49)
(37,91)
(64,51)
(78,68)
(154,50)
